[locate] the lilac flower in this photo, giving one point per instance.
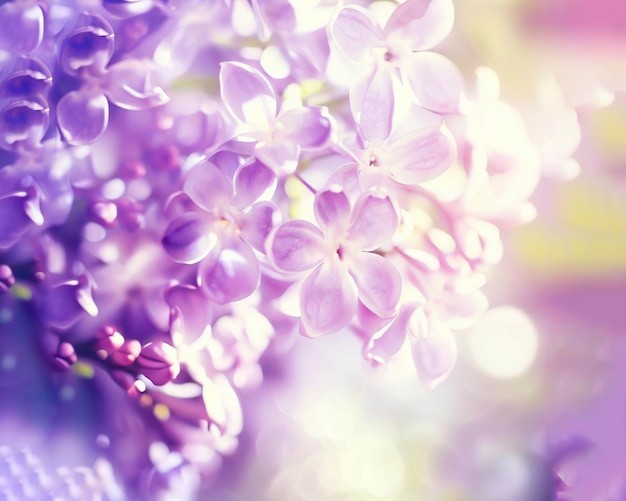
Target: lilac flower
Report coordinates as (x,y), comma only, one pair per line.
(398,49)
(345,269)
(279,137)
(223,232)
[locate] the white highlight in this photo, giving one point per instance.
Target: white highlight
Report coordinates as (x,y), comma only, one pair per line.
(504,343)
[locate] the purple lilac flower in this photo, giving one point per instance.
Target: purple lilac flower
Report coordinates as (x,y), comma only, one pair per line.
(149,152)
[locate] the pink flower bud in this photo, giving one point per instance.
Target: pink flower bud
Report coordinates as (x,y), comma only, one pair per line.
(127,353)
(6,278)
(108,340)
(158,362)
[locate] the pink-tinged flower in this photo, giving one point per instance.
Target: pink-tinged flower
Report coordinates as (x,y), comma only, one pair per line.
(279,137)
(223,232)
(412,154)
(437,303)
(400,49)
(344,268)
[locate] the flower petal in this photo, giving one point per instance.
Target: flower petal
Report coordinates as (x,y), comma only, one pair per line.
(422,23)
(82,117)
(372,103)
(258,222)
(190,314)
(378,281)
(247,94)
(356,33)
(436,82)
(133,84)
(422,155)
(434,355)
(230,272)
(189,238)
(332,210)
(208,187)
(88,47)
(253,181)
(21,26)
(374,220)
(310,127)
(14,216)
(280,156)
(328,299)
(26,76)
(24,120)
(386,343)
(296,246)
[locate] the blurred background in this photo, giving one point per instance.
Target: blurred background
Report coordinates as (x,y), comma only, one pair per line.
(536,408)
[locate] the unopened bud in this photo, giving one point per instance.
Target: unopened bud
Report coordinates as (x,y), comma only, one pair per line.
(158,362)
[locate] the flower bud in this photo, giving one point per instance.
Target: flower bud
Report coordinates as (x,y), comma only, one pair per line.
(165,157)
(130,214)
(158,362)
(104,213)
(60,353)
(6,278)
(127,353)
(108,340)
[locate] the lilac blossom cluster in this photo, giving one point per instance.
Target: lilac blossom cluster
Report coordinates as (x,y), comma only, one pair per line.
(187,183)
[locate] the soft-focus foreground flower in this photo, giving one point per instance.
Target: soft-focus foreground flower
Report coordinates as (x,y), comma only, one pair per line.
(182,184)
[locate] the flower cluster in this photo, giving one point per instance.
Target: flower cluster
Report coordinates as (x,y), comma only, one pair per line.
(187,183)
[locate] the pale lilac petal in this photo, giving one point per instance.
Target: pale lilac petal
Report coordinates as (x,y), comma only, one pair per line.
(356,33)
(422,155)
(247,94)
(189,238)
(21,26)
(14,217)
(421,23)
(82,117)
(374,221)
(296,246)
(434,355)
(386,343)
(88,47)
(253,181)
(24,120)
(378,281)
(26,77)
(258,222)
(190,314)
(281,156)
(208,187)
(328,299)
(230,272)
(332,210)
(436,82)
(310,127)
(65,303)
(278,14)
(372,102)
(133,84)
